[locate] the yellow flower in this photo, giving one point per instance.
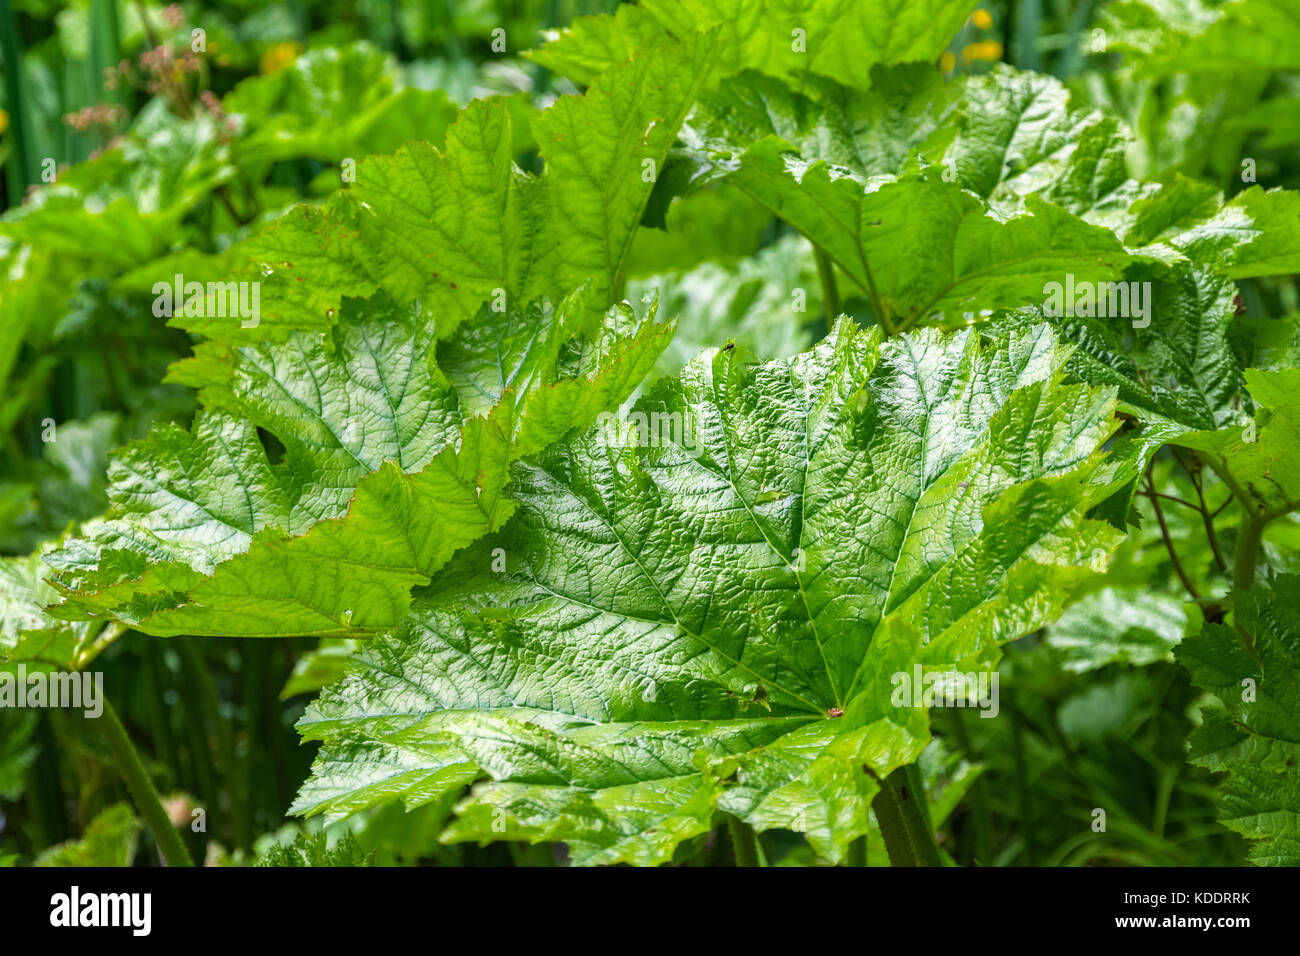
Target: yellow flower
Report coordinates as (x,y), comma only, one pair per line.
(982,19)
(278,55)
(988,50)
(4,121)
(947,61)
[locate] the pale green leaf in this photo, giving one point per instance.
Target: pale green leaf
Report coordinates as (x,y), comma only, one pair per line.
(671,627)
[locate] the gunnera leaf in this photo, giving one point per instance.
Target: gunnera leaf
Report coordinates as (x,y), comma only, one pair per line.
(389,465)
(706,615)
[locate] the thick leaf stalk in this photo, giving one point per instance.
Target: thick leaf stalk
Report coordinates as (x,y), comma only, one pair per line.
(905,819)
(143,792)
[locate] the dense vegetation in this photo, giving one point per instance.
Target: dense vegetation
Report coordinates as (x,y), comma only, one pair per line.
(699,431)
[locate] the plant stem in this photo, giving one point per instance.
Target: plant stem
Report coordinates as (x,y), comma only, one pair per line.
(531,854)
(904,818)
(198,677)
(1249,536)
(743,841)
(1169,544)
(1024,793)
(858,852)
(979,798)
(1243,560)
(830,291)
(142,789)
(1195,478)
(21,164)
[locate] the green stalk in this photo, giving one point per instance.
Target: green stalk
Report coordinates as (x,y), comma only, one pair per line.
(857,852)
(1024,41)
(21,165)
(1248,541)
(43,790)
(1249,537)
(541,854)
(530,854)
(744,843)
(979,797)
(105,48)
(830,291)
(1071,60)
(253,671)
(904,819)
(143,792)
(158,716)
(1025,808)
(198,677)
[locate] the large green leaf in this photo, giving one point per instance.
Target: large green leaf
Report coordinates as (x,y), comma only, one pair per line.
(457,226)
(1129,626)
(674,626)
(27,635)
(389,466)
(1249,35)
(333,103)
(834,38)
(837,166)
(1175,367)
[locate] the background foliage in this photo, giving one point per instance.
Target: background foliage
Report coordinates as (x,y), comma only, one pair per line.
(921,168)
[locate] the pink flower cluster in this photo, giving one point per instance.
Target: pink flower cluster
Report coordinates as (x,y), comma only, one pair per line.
(101,114)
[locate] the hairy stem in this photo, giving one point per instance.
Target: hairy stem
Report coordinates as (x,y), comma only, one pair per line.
(1249,536)
(905,819)
(830,291)
(1248,541)
(142,789)
(744,843)
(857,852)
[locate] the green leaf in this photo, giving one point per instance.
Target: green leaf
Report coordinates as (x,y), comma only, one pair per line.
(66,485)
(1253,35)
(315,851)
(826,37)
(110,840)
(1253,736)
(770,303)
(332,103)
(320,667)
(915,242)
(1128,626)
(1261,459)
(28,635)
(459,226)
(388,469)
(590,45)
(665,627)
(604,152)
(1256,234)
